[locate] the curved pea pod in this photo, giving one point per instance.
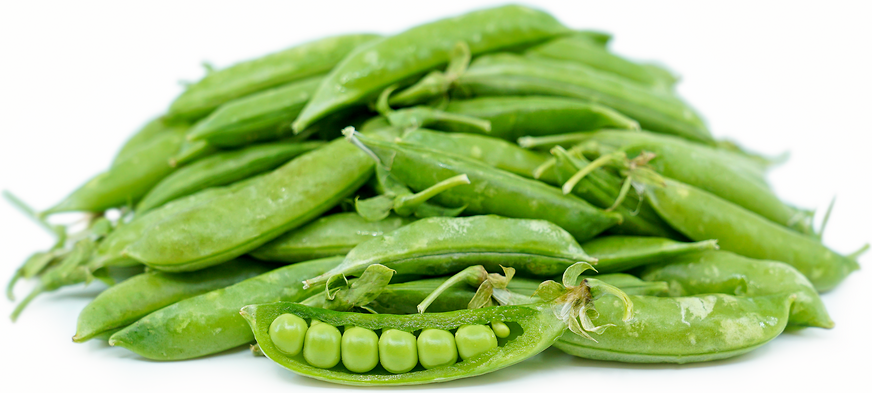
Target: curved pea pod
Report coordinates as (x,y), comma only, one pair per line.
(619,253)
(512,117)
(683,329)
(725,272)
(366,72)
(491,191)
(138,296)
(299,62)
(140,138)
(210,323)
(700,215)
(535,329)
(266,115)
(127,181)
(262,210)
(222,169)
(335,234)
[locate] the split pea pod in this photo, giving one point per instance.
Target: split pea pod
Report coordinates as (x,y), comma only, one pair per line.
(222,169)
(331,235)
(620,253)
(491,191)
(210,323)
(263,210)
(299,62)
(725,272)
(366,72)
(138,296)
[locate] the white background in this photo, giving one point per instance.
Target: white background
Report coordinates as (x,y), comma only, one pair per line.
(76,78)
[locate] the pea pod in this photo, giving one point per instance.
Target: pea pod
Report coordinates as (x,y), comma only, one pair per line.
(395,196)
(140,138)
(725,272)
(264,209)
(365,73)
(222,169)
(491,191)
(138,296)
(620,253)
(210,323)
(299,62)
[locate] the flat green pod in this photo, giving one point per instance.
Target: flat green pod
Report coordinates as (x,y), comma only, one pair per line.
(141,138)
(620,253)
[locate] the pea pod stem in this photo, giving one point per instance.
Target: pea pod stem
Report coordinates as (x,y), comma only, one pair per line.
(472,275)
(403,204)
(32,214)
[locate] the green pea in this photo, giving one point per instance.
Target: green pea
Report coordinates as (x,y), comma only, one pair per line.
(322,345)
(398,351)
(436,348)
(473,340)
(359,349)
(287,332)
(500,329)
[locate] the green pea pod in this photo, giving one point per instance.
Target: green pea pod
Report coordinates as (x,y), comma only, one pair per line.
(191,151)
(683,329)
(222,169)
(536,328)
(600,38)
(700,215)
(335,234)
(396,197)
(210,323)
(620,253)
(138,296)
(266,115)
(440,245)
(491,191)
(514,117)
(126,182)
(299,62)
(141,138)
(367,72)
(264,209)
(725,272)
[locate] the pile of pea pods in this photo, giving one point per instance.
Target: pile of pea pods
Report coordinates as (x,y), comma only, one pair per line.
(436,204)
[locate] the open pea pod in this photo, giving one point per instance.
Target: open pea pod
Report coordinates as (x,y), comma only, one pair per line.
(534,328)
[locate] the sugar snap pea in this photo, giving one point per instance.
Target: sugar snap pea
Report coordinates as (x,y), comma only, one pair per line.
(302,61)
(366,72)
(725,272)
(138,296)
(141,138)
(210,323)
(619,253)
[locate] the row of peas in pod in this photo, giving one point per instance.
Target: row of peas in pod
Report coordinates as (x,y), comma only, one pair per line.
(513,186)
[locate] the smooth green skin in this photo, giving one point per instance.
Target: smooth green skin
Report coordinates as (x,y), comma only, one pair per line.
(127,181)
(248,77)
(539,328)
(236,222)
(508,74)
(620,253)
(500,329)
(266,115)
(140,138)
(335,234)
(514,117)
(440,245)
(321,347)
(366,72)
(584,51)
(437,348)
(191,151)
(398,351)
(222,169)
(491,191)
(128,301)
(288,332)
(210,323)
(473,340)
(700,215)
(725,272)
(681,329)
(600,38)
(360,349)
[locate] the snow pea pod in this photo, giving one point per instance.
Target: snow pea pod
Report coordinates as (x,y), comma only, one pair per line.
(366,72)
(141,138)
(491,191)
(299,62)
(222,169)
(138,296)
(725,272)
(241,220)
(210,323)
(700,215)
(619,253)
(335,234)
